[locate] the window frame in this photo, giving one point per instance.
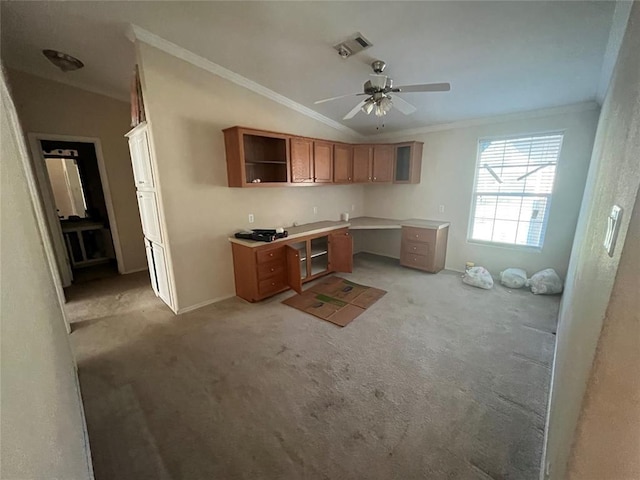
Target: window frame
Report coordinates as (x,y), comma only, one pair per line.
(549,196)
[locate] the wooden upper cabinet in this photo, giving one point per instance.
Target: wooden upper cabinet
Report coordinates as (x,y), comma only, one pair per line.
(301,160)
(258,158)
(383,163)
(322,162)
(342,163)
(362,158)
(408,162)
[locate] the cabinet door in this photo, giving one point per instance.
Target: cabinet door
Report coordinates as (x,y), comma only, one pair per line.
(293,268)
(162,277)
(149,216)
(361,163)
(383,163)
(152,267)
(342,163)
(141,160)
(408,162)
(340,252)
(301,160)
(322,162)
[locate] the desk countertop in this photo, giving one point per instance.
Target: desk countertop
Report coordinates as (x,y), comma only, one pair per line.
(358,223)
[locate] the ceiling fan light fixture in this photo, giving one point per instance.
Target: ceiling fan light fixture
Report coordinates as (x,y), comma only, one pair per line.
(368,106)
(386,104)
(63,61)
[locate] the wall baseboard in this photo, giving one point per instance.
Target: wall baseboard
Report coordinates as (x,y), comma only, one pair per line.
(136,270)
(191,308)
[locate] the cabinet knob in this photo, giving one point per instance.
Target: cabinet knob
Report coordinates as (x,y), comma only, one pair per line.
(414,248)
(375,178)
(273,284)
(349,178)
(417,236)
(271,254)
(369,178)
(273,269)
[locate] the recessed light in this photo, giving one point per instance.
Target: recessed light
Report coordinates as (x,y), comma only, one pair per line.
(63,61)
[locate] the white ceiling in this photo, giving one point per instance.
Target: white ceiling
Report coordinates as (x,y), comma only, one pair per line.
(500,57)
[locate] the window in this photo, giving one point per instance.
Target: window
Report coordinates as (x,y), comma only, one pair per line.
(513,187)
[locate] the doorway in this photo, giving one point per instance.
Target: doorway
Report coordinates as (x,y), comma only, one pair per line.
(75,196)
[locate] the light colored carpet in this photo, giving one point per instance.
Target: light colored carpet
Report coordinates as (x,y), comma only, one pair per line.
(437,380)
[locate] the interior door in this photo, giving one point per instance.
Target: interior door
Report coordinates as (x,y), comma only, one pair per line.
(322,162)
(342,163)
(341,252)
(361,163)
(294,279)
(383,163)
(301,160)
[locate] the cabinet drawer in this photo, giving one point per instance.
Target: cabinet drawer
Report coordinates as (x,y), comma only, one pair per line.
(271,255)
(272,285)
(414,234)
(417,261)
(415,248)
(271,269)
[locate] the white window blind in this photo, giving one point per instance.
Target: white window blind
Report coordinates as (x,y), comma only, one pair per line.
(513,188)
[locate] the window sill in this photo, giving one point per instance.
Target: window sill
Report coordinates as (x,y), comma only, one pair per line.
(508,246)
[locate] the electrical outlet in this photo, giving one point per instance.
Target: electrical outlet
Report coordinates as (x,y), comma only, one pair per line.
(251,219)
(315,210)
(441,209)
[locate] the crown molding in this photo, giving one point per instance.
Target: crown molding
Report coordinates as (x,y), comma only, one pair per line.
(473,122)
(136,33)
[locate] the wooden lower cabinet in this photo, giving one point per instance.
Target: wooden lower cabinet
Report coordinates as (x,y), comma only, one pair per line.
(424,248)
(268,269)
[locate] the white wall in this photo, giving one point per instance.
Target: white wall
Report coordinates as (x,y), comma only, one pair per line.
(43,434)
(50,107)
(607,441)
(448,169)
(187,108)
(614,177)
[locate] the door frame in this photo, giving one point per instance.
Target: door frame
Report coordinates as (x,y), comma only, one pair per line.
(46,194)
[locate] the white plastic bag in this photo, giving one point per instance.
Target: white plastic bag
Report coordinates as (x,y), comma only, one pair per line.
(478,277)
(513,278)
(545,282)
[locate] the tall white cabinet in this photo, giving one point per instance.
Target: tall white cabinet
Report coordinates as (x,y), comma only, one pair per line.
(146,191)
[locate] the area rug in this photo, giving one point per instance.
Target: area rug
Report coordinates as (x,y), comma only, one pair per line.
(336,300)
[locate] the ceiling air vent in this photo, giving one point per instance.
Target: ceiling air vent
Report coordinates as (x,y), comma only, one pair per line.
(355,44)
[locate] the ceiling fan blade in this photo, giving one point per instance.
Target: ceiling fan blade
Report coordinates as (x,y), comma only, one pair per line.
(338,97)
(426,87)
(355,110)
(402,105)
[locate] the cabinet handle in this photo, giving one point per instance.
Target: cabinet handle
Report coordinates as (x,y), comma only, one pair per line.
(141,181)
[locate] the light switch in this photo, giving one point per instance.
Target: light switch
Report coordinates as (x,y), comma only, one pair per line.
(613,225)
(251,218)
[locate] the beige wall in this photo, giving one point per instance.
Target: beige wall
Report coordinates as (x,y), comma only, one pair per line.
(607,443)
(43,434)
(448,170)
(50,107)
(613,178)
(188,107)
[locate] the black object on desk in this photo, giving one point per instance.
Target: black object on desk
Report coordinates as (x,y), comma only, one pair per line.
(261,235)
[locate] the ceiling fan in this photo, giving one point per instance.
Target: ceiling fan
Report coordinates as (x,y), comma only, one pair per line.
(379,90)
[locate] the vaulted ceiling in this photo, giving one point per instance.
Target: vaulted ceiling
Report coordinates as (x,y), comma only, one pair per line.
(500,57)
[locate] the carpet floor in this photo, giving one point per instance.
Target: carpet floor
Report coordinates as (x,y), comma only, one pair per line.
(437,380)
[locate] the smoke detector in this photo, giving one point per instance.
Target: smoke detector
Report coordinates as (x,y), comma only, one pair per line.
(354,45)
